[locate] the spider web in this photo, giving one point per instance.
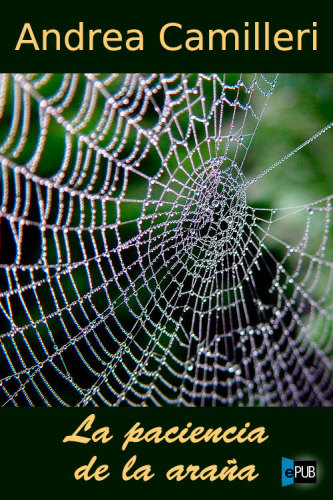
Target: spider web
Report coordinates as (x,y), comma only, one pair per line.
(133,269)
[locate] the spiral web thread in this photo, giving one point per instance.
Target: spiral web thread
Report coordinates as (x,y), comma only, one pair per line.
(133,270)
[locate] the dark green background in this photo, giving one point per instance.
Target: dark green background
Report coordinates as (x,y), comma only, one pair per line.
(149,17)
(37,464)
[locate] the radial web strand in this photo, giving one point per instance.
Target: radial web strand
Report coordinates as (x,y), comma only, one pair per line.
(134,270)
